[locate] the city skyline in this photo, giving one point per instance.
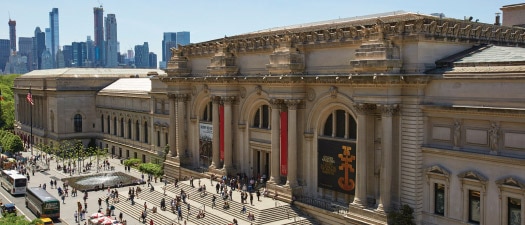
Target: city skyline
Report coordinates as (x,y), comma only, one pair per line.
(137,25)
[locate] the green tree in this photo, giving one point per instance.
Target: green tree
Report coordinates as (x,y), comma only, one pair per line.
(7,110)
(132,162)
(13,219)
(402,217)
(151,168)
(10,142)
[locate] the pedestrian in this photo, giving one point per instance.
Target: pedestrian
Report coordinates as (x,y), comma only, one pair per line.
(76,216)
(188,208)
(258,193)
(145,206)
(213,201)
(99,203)
(63,199)
(251,199)
(120,216)
(85,206)
(150,221)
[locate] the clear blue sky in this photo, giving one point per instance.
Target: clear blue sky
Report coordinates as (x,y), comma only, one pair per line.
(139,21)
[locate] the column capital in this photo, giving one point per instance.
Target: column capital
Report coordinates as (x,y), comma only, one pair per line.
(216,99)
(388,110)
(292,103)
(178,97)
(276,103)
(228,99)
(364,108)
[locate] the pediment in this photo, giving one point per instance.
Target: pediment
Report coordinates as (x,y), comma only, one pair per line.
(511,181)
(437,169)
(473,175)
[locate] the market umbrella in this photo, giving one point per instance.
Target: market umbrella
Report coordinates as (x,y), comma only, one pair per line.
(96,215)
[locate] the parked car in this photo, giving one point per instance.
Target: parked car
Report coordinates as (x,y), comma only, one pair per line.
(8,208)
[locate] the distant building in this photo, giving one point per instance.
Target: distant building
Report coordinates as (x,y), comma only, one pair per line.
(152,60)
(39,45)
(172,40)
(54,33)
(79,54)
(25,48)
(17,64)
(5,49)
(111,41)
(60,59)
(12,34)
(99,56)
(142,56)
(90,48)
(47,60)
(67,50)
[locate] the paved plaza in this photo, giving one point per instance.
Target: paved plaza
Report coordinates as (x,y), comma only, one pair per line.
(266,211)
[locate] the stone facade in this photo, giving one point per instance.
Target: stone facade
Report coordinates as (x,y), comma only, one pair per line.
(424,116)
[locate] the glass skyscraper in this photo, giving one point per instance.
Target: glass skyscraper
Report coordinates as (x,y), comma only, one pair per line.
(98,13)
(111,41)
(54,34)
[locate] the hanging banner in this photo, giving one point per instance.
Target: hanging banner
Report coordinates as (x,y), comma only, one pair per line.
(336,165)
(205,131)
(284,143)
(221,132)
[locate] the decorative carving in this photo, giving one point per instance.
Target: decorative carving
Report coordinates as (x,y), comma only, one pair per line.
(205,88)
(419,25)
(511,181)
(242,92)
(494,136)
(310,94)
(473,175)
(276,103)
(388,110)
(228,99)
(364,108)
(457,132)
(292,103)
(193,90)
(258,89)
(333,91)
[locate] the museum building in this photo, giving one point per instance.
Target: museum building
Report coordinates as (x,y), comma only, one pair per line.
(365,114)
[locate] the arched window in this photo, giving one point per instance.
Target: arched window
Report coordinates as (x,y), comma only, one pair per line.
(102,123)
(129,128)
(109,124)
(262,117)
(78,122)
(145,132)
(122,127)
(114,125)
(137,131)
(340,124)
(207,115)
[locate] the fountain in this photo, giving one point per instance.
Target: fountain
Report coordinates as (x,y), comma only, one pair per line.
(97,181)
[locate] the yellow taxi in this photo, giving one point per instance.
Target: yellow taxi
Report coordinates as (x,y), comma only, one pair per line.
(46,221)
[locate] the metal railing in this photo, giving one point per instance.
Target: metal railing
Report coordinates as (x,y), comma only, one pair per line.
(324,204)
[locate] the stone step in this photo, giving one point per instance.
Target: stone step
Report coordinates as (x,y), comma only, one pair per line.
(154,197)
(135,211)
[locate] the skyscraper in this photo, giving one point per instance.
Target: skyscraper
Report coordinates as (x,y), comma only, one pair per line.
(25,48)
(5,50)
(183,38)
(99,56)
(90,49)
(39,45)
(12,35)
(111,41)
(54,32)
(142,55)
(67,50)
(152,58)
(169,41)
(79,54)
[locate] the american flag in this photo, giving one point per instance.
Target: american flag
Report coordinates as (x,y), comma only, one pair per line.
(30,98)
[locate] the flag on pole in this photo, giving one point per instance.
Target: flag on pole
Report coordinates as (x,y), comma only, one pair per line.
(30,98)
(1,96)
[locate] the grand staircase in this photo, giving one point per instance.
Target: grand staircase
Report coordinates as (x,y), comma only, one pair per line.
(280,214)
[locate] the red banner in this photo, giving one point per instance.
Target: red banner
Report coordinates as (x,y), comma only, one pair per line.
(221,132)
(284,143)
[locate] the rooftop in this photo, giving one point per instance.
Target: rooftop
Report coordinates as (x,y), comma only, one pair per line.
(91,72)
(129,85)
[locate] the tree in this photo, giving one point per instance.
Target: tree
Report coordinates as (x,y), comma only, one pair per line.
(7,112)
(13,219)
(132,162)
(151,168)
(403,217)
(10,142)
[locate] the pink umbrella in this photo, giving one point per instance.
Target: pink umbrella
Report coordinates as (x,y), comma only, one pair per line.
(108,221)
(103,219)
(96,215)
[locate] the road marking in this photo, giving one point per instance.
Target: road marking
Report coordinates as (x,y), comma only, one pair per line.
(17,210)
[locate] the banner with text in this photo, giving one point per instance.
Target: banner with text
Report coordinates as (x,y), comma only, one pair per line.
(205,131)
(336,165)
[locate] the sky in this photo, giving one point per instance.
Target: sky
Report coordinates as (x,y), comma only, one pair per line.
(142,21)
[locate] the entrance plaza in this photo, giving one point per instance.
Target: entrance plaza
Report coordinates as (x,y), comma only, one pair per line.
(266,211)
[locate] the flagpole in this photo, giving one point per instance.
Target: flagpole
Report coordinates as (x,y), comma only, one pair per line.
(31,122)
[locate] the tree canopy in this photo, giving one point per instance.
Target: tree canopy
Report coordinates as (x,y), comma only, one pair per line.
(18,220)
(7,103)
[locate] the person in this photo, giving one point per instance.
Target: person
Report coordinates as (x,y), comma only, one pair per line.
(145,206)
(258,193)
(120,216)
(99,203)
(150,221)
(213,201)
(235,221)
(76,216)
(251,199)
(243,210)
(201,214)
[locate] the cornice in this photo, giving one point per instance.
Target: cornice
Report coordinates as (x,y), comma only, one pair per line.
(474,156)
(373,28)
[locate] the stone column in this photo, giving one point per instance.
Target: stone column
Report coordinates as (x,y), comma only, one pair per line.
(275,136)
(360,189)
(292,142)
(228,150)
(180,113)
(172,129)
(386,144)
(215,164)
